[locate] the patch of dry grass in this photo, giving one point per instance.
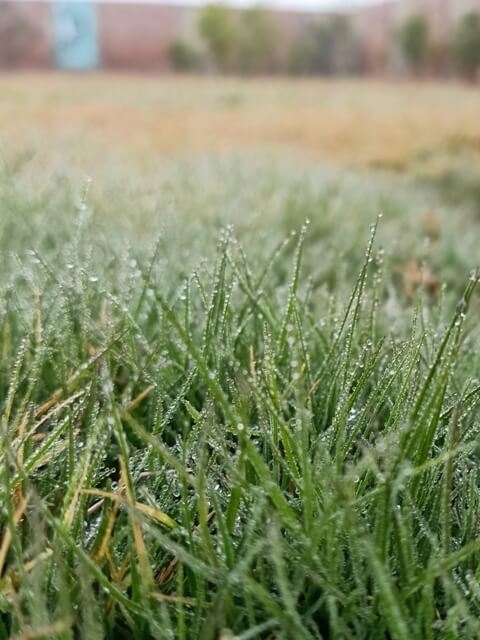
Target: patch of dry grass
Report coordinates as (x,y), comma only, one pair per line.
(349,123)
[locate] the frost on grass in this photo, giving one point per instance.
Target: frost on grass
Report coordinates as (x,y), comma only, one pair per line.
(234,442)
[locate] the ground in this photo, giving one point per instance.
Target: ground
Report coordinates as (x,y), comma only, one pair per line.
(351,123)
(239,359)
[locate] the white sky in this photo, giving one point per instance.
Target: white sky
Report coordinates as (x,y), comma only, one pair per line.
(291,4)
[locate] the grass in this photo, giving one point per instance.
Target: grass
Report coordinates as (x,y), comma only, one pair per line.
(229,406)
(352,123)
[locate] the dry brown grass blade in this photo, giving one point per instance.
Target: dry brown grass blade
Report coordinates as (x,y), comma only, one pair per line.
(253,368)
(431,224)
(57,395)
(414,277)
(54,409)
(51,402)
(151,512)
(70,513)
(120,573)
(47,631)
(103,550)
(18,490)
(95,507)
(21,432)
(136,401)
(28,566)
(7,536)
(141,549)
(118,577)
(11,581)
(161,597)
(167,572)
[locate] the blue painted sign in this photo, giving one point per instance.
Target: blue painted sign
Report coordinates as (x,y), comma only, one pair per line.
(75,35)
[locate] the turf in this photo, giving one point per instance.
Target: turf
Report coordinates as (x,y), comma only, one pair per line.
(353,123)
(265,430)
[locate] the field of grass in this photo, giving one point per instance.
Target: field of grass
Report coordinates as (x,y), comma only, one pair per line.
(351,123)
(239,386)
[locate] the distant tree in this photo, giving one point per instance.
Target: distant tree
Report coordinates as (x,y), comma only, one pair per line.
(218,29)
(466,45)
(257,40)
(313,53)
(346,59)
(185,57)
(327,47)
(414,40)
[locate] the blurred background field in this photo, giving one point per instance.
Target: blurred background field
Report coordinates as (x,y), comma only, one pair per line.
(361,85)
(164,148)
(189,155)
(398,126)
(234,281)
(130,131)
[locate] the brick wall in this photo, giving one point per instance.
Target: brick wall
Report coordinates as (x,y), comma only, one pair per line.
(25,35)
(131,36)
(140,36)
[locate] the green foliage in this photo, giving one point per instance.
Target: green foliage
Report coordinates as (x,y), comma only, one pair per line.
(466,45)
(327,47)
(257,44)
(185,57)
(414,41)
(219,30)
(226,433)
(239,41)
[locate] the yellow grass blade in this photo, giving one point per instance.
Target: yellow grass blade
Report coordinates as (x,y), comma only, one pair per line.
(151,512)
(7,536)
(136,401)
